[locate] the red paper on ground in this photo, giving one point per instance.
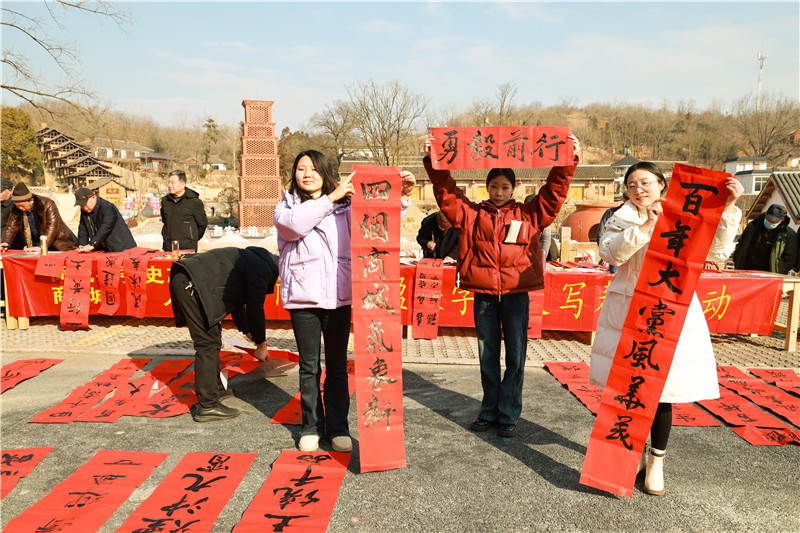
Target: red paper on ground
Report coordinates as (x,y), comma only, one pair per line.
(789,386)
(688,414)
(16,464)
(192,495)
(766,436)
(18,371)
(737,411)
(730,372)
(86,499)
(127,396)
(299,494)
(763,395)
(667,281)
(377,326)
(501,147)
(773,375)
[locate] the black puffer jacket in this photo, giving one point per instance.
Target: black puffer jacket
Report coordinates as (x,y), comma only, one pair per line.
(105,229)
(231,281)
(184,219)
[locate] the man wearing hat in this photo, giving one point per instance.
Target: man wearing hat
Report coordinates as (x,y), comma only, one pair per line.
(102,227)
(767,243)
(8,204)
(34,217)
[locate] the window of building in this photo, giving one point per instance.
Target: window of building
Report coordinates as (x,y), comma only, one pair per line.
(759,182)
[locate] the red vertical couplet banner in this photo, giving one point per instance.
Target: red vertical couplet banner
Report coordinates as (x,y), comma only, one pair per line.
(18,371)
(501,147)
(86,499)
(428,283)
(109,272)
(672,266)
(16,464)
(135,269)
(298,495)
(77,292)
(192,495)
(377,327)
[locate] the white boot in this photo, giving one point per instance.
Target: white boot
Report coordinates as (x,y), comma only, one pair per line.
(654,478)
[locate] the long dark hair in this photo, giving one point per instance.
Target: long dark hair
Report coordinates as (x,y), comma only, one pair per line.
(323,168)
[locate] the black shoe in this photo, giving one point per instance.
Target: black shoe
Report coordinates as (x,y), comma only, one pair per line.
(218,412)
(479,425)
(225,394)
(507,430)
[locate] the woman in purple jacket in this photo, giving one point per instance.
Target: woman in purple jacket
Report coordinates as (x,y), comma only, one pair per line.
(313,223)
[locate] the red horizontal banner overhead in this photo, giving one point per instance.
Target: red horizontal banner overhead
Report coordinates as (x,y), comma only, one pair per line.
(501,147)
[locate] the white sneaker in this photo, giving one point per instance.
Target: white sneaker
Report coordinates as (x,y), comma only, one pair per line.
(342,443)
(308,443)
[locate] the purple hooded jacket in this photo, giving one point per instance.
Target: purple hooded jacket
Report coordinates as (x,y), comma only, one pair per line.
(314,248)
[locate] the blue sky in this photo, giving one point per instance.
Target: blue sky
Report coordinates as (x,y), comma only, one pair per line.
(186,61)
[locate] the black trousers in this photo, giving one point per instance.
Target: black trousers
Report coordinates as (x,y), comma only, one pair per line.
(334,326)
(207,341)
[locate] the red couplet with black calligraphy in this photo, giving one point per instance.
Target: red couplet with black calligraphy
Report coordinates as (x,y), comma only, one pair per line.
(86,499)
(377,327)
(109,272)
(77,292)
(670,271)
(16,464)
(428,283)
(501,147)
(50,266)
(192,495)
(134,268)
(298,495)
(18,371)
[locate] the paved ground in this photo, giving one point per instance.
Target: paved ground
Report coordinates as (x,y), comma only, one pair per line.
(455,480)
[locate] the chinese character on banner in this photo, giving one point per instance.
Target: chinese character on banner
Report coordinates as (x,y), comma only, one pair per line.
(426,301)
(109,272)
(134,268)
(667,281)
(377,328)
(501,147)
(76,296)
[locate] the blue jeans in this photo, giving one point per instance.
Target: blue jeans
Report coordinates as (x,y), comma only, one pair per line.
(505,316)
(333,325)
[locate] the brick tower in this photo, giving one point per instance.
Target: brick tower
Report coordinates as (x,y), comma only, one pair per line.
(260,186)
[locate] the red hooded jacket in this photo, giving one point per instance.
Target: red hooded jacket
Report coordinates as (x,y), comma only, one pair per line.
(486,264)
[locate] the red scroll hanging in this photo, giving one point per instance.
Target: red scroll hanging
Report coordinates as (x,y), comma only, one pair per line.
(77,292)
(376,316)
(135,269)
(501,147)
(661,299)
(109,272)
(428,283)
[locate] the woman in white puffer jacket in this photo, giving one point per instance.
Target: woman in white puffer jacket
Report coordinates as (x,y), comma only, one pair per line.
(693,375)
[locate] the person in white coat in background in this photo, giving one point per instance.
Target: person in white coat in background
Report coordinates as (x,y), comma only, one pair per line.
(693,374)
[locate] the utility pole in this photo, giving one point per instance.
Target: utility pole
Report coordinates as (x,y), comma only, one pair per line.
(762,57)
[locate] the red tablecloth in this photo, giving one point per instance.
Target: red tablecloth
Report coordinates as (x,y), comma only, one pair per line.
(733,302)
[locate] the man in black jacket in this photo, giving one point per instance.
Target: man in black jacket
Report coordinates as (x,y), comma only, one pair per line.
(102,227)
(437,237)
(205,288)
(182,214)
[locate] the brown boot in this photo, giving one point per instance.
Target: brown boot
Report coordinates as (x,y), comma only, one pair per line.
(654,478)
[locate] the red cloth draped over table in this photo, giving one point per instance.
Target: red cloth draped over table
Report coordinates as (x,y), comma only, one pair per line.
(734,302)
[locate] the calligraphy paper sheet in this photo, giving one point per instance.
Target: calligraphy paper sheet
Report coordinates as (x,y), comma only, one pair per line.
(17,464)
(18,371)
(192,495)
(377,327)
(427,295)
(670,271)
(86,499)
(299,494)
(501,147)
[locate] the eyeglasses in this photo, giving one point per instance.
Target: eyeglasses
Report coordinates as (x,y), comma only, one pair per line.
(645,185)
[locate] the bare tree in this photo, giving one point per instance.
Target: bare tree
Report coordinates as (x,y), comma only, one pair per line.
(27,84)
(766,128)
(385,117)
(338,121)
(505,94)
